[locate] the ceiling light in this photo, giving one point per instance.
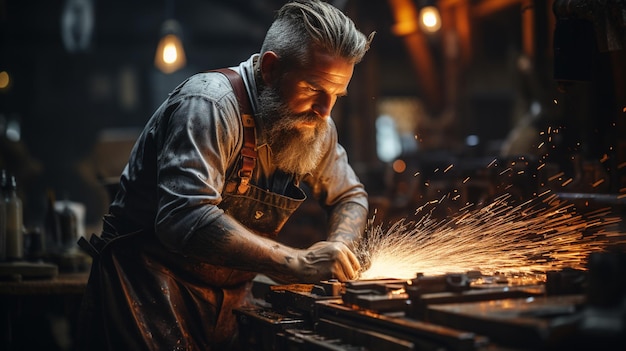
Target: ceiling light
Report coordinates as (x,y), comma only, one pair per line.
(170,54)
(429,19)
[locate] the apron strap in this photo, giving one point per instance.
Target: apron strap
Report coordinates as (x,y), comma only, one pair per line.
(248,151)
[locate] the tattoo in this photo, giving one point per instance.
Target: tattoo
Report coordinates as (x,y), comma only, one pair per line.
(211,241)
(347,223)
(227,243)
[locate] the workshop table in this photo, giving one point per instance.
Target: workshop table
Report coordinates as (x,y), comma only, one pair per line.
(40,314)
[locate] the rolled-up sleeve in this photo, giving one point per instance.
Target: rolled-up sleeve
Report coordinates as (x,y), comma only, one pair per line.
(201,137)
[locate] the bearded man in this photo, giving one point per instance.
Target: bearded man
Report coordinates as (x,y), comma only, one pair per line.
(212,179)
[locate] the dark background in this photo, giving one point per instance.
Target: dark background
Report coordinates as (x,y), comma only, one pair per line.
(547,106)
(79,110)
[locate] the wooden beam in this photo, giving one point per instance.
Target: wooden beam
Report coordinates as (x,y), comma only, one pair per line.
(488,7)
(528,28)
(406,17)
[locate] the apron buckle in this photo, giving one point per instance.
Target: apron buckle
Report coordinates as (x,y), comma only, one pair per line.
(243,185)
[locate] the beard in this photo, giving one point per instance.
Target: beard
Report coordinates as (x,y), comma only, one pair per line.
(295,148)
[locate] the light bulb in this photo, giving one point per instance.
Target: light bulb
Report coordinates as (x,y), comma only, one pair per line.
(170,55)
(5,80)
(430,21)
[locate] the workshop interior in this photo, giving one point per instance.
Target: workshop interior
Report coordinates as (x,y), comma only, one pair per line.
(490,136)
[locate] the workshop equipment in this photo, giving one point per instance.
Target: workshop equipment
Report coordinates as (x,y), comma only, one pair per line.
(560,310)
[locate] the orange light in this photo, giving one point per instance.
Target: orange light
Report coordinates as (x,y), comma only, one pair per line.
(404,28)
(429,19)
(5,80)
(170,54)
(399,166)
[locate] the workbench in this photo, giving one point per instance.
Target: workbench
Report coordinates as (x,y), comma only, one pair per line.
(40,313)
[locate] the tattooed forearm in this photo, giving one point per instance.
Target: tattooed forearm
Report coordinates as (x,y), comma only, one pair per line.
(211,241)
(228,243)
(347,223)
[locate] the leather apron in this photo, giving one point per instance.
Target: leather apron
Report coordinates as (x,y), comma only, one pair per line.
(142,296)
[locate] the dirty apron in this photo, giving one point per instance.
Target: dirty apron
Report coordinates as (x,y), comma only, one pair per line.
(152,299)
(141,296)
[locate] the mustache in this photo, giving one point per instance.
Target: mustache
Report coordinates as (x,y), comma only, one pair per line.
(278,115)
(307,117)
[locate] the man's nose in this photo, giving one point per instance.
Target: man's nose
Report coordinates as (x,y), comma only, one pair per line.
(323,105)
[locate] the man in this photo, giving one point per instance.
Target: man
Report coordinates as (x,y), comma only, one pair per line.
(191,225)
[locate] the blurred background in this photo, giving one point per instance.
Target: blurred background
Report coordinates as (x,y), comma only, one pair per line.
(496,96)
(458,102)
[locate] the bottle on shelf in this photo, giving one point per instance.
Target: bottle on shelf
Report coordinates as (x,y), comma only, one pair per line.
(14,221)
(3,218)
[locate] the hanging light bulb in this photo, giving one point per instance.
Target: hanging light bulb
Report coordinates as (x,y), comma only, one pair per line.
(429,19)
(5,81)
(170,54)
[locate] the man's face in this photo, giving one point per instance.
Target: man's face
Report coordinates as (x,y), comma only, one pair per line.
(296,109)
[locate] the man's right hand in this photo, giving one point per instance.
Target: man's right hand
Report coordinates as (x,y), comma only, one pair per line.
(326,260)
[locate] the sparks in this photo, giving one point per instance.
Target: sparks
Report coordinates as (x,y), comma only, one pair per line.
(597,183)
(556,176)
(536,236)
(506,171)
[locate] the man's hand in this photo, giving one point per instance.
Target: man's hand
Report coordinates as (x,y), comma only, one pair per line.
(227,243)
(326,260)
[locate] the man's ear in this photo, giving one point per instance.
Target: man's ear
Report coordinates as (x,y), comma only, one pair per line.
(269,67)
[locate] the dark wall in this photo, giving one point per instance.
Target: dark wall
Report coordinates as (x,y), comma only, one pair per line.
(63,98)
(69,104)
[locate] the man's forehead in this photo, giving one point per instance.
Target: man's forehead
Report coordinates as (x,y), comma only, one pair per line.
(323,68)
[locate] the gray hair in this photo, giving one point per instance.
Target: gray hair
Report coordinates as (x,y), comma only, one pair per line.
(304,25)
